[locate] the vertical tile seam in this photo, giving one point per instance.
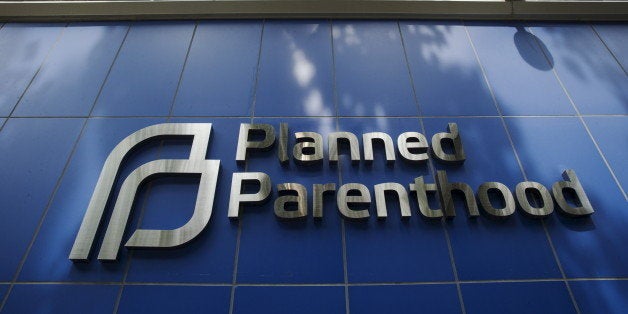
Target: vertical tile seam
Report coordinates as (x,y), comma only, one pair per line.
(522,169)
(236,255)
(61,176)
(579,115)
(343,231)
(432,171)
(607,47)
(41,65)
(149,187)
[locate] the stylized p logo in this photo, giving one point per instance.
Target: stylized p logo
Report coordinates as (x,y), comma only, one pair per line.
(144,238)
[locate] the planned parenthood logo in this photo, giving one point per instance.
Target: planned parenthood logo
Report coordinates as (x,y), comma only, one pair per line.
(353,199)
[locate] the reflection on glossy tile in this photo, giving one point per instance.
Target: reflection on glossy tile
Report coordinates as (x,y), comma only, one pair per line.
(447,76)
(219,76)
(56,299)
(391,250)
(48,260)
(611,134)
(145,75)
(602,297)
(23,48)
(404,299)
(280,300)
(587,247)
(596,83)
(517,297)
(307,251)
(168,299)
(34,152)
(517,70)
(295,70)
(68,83)
(371,72)
(209,257)
(519,241)
(614,37)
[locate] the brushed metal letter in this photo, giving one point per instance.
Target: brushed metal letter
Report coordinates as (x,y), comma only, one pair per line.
(421,189)
(319,192)
(380,199)
(509,201)
(243,139)
(415,141)
(300,199)
(305,140)
(237,197)
(144,238)
(444,191)
(93,216)
(572,182)
(524,203)
(354,146)
(343,200)
(389,148)
(283,143)
(437,145)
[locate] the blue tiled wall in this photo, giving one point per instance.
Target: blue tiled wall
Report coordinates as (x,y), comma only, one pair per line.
(531,100)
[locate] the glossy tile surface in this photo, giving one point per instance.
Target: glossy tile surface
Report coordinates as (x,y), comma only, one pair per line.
(585,66)
(404,299)
(295,75)
(371,73)
(604,296)
(289,300)
(67,85)
(54,299)
(587,247)
(517,297)
(219,77)
(169,299)
(613,37)
(611,134)
(447,76)
(145,76)
(518,71)
(34,154)
(23,48)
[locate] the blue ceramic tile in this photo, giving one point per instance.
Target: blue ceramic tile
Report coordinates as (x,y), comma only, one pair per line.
(611,134)
(517,297)
(595,81)
(518,243)
(172,299)
(295,76)
(447,76)
(371,71)
(209,258)
(587,247)
(3,290)
(404,299)
(289,300)
(520,75)
(306,251)
(603,296)
(23,48)
(34,154)
(48,260)
(68,83)
(391,250)
(614,36)
(61,299)
(146,73)
(219,76)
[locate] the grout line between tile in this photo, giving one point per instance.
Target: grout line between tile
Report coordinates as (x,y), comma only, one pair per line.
(236,255)
(432,170)
(607,47)
(41,65)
